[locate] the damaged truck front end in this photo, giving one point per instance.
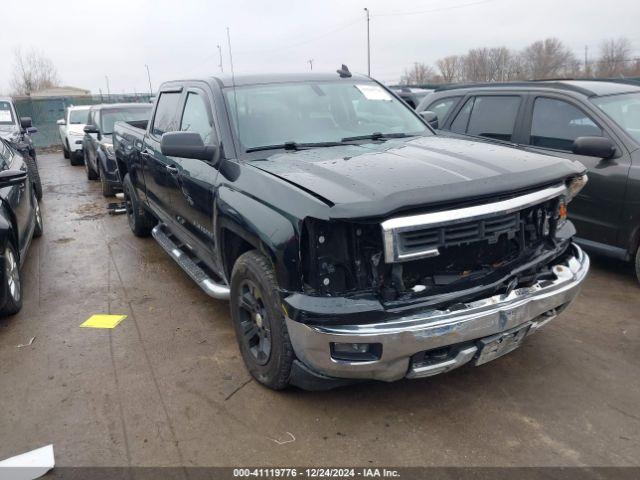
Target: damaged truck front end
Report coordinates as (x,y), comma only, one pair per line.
(429,290)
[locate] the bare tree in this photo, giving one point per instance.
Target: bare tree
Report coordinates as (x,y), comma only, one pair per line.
(615,54)
(548,58)
(421,73)
(451,68)
(32,71)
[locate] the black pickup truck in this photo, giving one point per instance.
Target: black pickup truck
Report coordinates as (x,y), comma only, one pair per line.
(351,241)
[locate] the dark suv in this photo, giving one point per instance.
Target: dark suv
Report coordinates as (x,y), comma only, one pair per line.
(594,122)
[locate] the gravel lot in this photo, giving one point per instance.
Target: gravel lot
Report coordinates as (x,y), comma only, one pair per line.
(168,387)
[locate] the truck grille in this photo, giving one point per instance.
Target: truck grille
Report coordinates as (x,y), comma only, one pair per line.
(422,236)
(448,236)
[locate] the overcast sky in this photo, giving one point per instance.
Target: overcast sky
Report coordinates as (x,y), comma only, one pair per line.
(88,40)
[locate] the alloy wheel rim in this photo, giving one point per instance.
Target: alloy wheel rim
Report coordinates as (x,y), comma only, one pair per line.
(12,273)
(255,324)
(38,214)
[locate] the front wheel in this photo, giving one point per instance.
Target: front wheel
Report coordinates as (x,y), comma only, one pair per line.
(107,188)
(34,174)
(638,263)
(260,326)
(91,173)
(65,150)
(12,280)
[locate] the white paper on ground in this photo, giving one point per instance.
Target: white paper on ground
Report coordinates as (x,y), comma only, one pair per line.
(28,466)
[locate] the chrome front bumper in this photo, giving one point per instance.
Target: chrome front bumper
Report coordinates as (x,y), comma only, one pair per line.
(404,337)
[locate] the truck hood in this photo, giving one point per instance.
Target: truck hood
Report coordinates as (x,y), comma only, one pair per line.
(377,179)
(75,129)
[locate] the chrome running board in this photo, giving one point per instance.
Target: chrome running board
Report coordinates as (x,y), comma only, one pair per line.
(205,282)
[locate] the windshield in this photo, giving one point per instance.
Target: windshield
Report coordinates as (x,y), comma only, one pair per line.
(6,114)
(317,112)
(624,110)
(78,117)
(111,116)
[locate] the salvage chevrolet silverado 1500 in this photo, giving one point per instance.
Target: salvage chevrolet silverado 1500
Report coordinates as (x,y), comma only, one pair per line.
(351,241)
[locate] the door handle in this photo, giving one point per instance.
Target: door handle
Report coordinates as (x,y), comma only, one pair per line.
(172,170)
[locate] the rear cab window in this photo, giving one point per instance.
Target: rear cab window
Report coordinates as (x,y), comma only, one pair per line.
(489,116)
(164,119)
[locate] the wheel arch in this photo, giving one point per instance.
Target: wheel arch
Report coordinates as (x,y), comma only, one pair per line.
(243,223)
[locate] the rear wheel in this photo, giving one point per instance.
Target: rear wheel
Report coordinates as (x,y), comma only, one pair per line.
(260,326)
(34,174)
(141,221)
(638,263)
(12,282)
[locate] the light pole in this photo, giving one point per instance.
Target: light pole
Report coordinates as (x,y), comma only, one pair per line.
(220,54)
(310,62)
(368,44)
(108,91)
(149,77)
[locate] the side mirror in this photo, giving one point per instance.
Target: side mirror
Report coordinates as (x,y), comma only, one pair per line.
(61,122)
(187,145)
(430,117)
(12,177)
(600,147)
(91,129)
(31,130)
(25,122)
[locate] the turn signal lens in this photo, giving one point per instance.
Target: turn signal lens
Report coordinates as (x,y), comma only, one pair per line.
(575,185)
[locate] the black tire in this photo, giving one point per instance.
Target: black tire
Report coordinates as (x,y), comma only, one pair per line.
(37,232)
(107,188)
(65,151)
(260,327)
(75,159)
(638,263)
(140,219)
(91,173)
(12,279)
(34,174)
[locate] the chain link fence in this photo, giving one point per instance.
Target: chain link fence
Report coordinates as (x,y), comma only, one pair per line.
(46,111)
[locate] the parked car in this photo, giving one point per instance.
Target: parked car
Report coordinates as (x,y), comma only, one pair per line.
(20,222)
(97,143)
(412,95)
(17,131)
(71,129)
(594,122)
(352,242)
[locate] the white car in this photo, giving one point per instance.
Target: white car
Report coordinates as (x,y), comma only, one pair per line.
(72,131)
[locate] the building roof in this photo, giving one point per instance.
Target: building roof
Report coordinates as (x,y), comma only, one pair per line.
(64,91)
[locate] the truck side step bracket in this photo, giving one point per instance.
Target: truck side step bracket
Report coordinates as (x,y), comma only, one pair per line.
(205,282)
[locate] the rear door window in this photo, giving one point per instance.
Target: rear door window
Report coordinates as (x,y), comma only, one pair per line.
(488,116)
(556,124)
(164,119)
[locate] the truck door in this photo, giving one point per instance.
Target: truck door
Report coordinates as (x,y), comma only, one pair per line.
(193,202)
(554,123)
(160,171)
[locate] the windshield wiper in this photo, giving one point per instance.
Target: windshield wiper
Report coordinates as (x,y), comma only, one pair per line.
(376,136)
(293,146)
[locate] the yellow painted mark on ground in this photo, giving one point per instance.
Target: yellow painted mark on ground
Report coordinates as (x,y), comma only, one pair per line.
(103,321)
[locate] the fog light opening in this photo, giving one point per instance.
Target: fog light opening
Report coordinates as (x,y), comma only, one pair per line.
(356,352)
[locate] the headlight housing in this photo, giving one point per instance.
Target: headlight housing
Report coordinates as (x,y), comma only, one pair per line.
(108,148)
(574,185)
